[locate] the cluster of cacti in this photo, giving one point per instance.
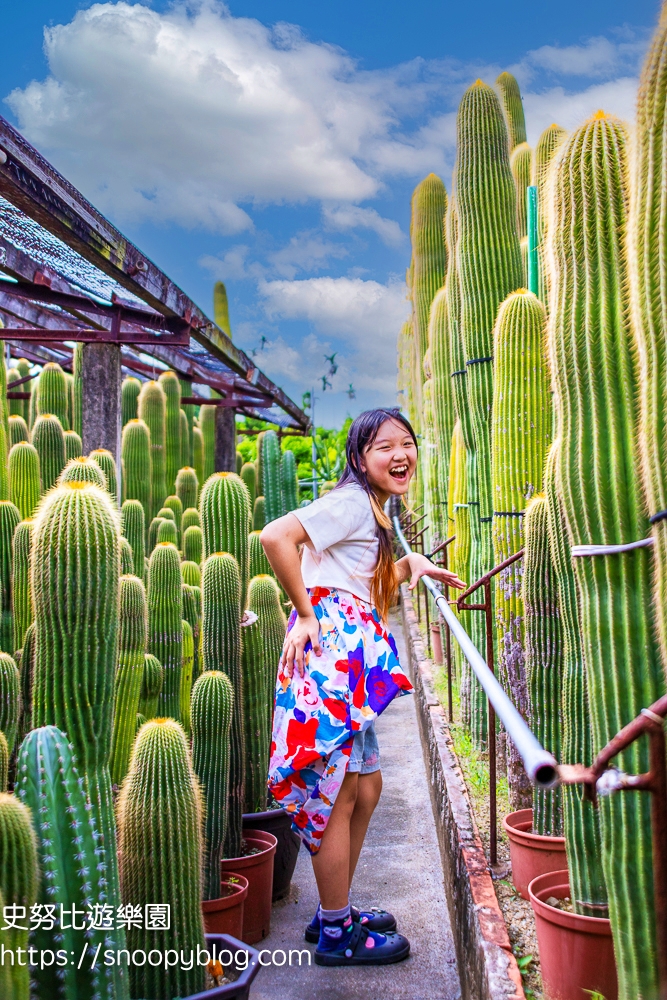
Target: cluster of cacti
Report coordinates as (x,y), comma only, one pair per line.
(271,476)
(224,507)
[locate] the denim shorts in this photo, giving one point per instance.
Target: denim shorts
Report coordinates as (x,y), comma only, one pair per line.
(365,756)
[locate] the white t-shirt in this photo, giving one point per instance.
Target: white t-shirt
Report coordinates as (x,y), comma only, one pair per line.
(342,550)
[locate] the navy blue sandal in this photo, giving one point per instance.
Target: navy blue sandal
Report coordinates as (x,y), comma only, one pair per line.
(393,949)
(373,919)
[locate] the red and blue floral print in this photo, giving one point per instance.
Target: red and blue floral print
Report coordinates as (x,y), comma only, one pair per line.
(316,716)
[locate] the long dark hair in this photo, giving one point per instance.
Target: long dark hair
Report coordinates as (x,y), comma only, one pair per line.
(361,435)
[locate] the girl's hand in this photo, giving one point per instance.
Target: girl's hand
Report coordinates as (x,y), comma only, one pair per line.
(306,629)
(421,566)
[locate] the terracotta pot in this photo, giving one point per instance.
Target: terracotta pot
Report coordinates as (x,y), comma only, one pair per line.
(258,869)
(576,953)
(278,822)
(436,644)
(225,914)
(531,854)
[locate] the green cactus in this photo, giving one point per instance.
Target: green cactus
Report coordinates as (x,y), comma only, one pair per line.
(580,820)
(198,454)
(167,514)
(18,430)
(271,472)
(429,204)
(53,393)
(185,456)
(153,529)
(167,532)
(132,638)
(49,440)
(190,517)
(72,874)
(152,409)
(136,464)
(221,649)
(24,481)
(69,380)
(10,699)
(510,97)
(14,406)
(24,368)
(212,708)
(596,381)
(207,428)
(290,482)
(191,573)
(545,151)
(441,392)
(192,615)
(172,434)
(83,470)
(187,488)
(258,563)
(26,664)
(126,558)
(133,527)
(73,445)
(186,674)
(259,469)
(129,398)
(107,464)
(77,391)
(160,817)
(458,520)
(174,503)
(4,768)
(193,544)
(221,308)
(428,464)
(151,686)
(9,518)
(521,165)
(21,597)
(224,507)
(258,514)
(248,477)
(18,884)
(165,614)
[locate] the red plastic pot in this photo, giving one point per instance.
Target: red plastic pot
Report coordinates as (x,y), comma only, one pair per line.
(258,869)
(531,854)
(576,953)
(225,914)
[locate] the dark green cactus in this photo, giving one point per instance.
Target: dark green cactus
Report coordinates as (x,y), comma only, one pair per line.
(441,394)
(259,464)
(153,529)
(73,445)
(191,573)
(167,532)
(26,669)
(185,439)
(49,440)
(132,638)
(10,699)
(133,526)
(596,382)
(271,471)
(429,204)
(9,518)
(257,556)
(190,517)
(21,596)
(151,686)
(198,454)
(73,874)
(83,470)
(259,514)
(225,514)
(24,368)
(18,430)
(18,883)
(248,477)
(24,481)
(53,393)
(187,488)
(207,428)
(161,773)
(152,409)
(221,648)
(165,614)
(172,430)
(137,464)
(193,544)
(510,97)
(129,398)
(126,557)
(290,482)
(107,464)
(186,673)
(4,767)
(212,708)
(14,406)
(545,150)
(192,615)
(174,503)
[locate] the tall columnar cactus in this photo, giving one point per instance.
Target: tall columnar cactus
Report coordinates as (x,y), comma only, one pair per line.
(187,487)
(225,513)
(172,391)
(174,503)
(77,393)
(133,526)
(186,451)
(259,464)
(186,673)
(71,875)
(545,151)
(489,265)
(4,770)
(165,614)
(21,597)
(18,885)
(580,821)
(10,699)
(14,406)
(207,428)
(136,464)
(53,393)
(212,710)
(9,518)
(259,514)
(190,517)
(510,96)
(521,164)
(160,818)
(429,204)
(27,670)
(152,409)
(18,430)
(153,529)
(258,563)
(73,445)
(458,520)
(191,572)
(151,686)
(192,615)
(442,401)
(428,466)
(107,464)
(83,470)
(24,368)
(49,440)
(543,652)
(198,453)
(596,380)
(290,482)
(129,397)
(221,308)
(24,480)
(167,532)
(126,557)
(132,638)
(193,544)
(69,379)
(74,576)
(521,426)
(271,476)
(221,649)
(262,645)
(248,477)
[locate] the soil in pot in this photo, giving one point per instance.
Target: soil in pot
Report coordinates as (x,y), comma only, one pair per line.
(225,914)
(279,823)
(256,865)
(531,853)
(576,953)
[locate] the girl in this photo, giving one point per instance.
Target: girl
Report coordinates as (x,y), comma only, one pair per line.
(339,670)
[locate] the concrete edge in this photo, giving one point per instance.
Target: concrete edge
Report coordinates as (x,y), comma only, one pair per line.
(487,968)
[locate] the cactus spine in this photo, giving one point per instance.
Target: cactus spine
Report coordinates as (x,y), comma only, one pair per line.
(10,699)
(18,430)
(151,686)
(510,97)
(545,150)
(161,773)
(207,428)
(133,527)
(136,464)
(271,476)
(152,409)
(212,712)
(21,596)
(18,883)
(192,544)
(593,361)
(187,487)
(429,204)
(73,445)
(83,470)
(107,464)
(259,514)
(521,164)
(290,482)
(172,392)
(9,518)
(132,637)
(49,440)
(24,480)
(53,393)
(129,398)
(186,673)
(165,614)
(221,648)
(249,478)
(224,506)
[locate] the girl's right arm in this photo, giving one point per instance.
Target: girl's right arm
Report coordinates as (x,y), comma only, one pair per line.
(281,539)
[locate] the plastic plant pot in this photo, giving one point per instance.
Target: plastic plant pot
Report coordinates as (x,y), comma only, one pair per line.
(243,970)
(225,914)
(277,822)
(258,870)
(531,854)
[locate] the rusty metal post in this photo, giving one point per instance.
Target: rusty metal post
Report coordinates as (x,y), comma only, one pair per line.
(659,831)
(491,730)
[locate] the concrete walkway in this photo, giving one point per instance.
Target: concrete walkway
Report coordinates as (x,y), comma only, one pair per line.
(399,869)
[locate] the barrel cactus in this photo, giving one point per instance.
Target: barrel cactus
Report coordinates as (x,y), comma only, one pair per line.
(151,686)
(132,637)
(49,440)
(225,514)
(24,480)
(83,470)
(193,544)
(165,614)
(133,526)
(18,883)
(137,464)
(152,409)
(18,430)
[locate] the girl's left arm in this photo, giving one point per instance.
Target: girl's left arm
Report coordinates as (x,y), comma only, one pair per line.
(414,566)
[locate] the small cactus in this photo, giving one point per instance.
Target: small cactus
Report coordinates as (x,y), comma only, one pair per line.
(133,526)
(186,673)
(193,544)
(167,532)
(9,518)
(259,514)
(153,412)
(224,506)
(249,478)
(53,393)
(272,476)
(107,464)
(191,573)
(207,428)
(174,503)
(190,517)
(153,529)
(133,634)
(18,430)
(151,686)
(172,429)
(21,597)
(126,557)
(73,445)
(10,699)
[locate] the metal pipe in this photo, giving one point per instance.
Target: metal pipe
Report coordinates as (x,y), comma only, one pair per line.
(541,767)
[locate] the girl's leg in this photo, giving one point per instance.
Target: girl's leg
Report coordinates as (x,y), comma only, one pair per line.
(331,864)
(368,794)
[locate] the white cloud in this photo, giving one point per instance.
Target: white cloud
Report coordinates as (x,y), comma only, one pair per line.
(617,97)
(597,57)
(305,252)
(354,217)
(231,265)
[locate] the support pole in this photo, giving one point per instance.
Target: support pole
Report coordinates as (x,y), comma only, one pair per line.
(225,439)
(100,398)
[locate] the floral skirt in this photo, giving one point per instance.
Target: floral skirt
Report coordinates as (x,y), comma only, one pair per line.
(316,716)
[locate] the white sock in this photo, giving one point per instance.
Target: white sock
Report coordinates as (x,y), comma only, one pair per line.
(331,915)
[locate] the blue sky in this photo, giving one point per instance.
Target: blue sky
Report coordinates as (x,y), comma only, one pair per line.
(275,145)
